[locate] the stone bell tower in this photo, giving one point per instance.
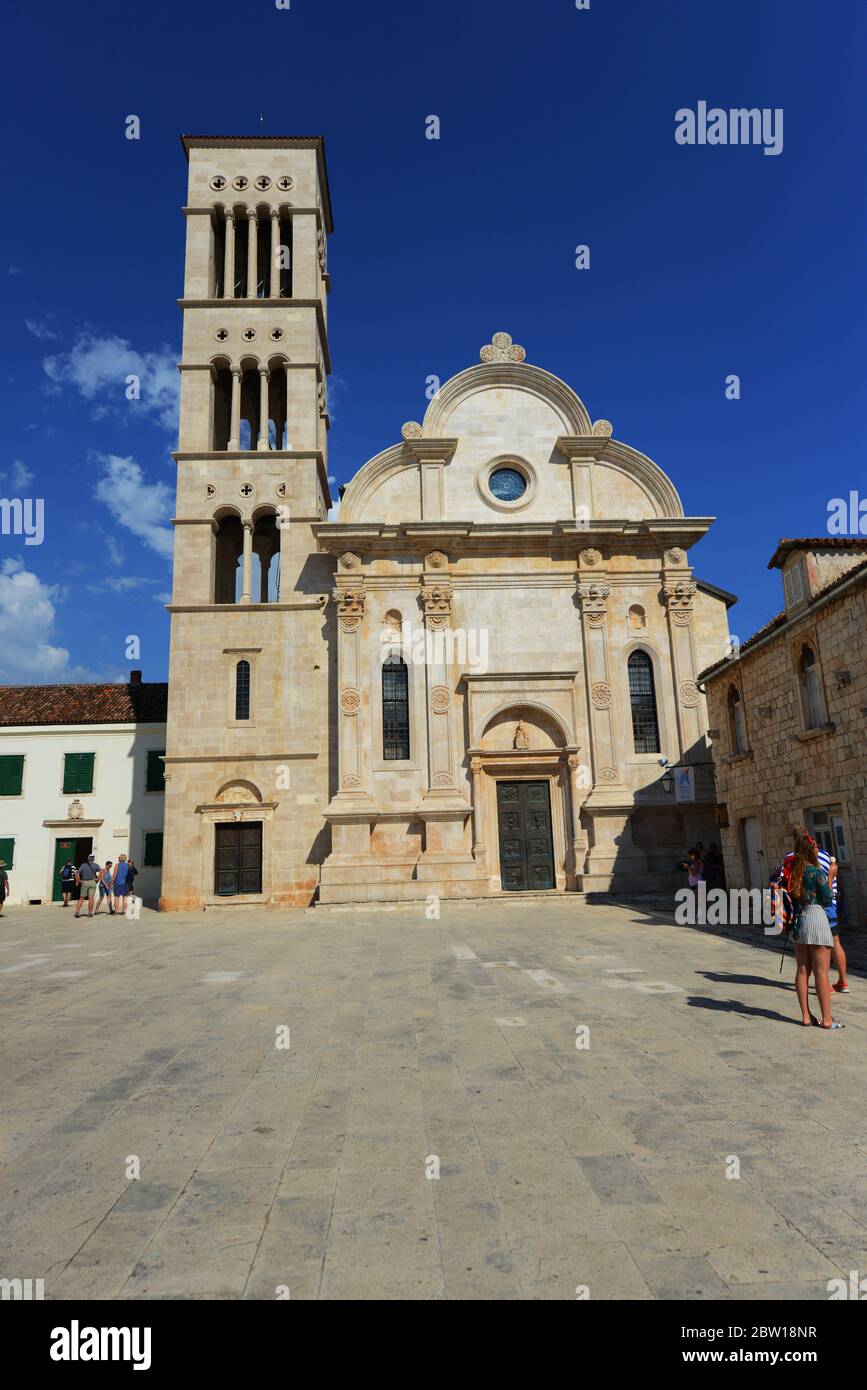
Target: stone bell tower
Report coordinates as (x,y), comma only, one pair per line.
(247,744)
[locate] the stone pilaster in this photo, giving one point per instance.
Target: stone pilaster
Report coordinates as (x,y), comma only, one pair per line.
(679,598)
(593,603)
(443,808)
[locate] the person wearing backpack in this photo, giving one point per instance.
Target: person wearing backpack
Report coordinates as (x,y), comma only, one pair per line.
(811,894)
(67,881)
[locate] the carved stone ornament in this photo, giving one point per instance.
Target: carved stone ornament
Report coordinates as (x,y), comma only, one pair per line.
(688,693)
(443,779)
(522,736)
(348,561)
(675,557)
(591,557)
(608,774)
(351,781)
(76,810)
(350,701)
(502,349)
(436,560)
(603,429)
(440,698)
(600,693)
(350,606)
(411,430)
(593,598)
(678,600)
(436,601)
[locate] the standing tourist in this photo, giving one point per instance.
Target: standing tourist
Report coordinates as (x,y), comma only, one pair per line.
(67,881)
(811,893)
(828,864)
(105,887)
(88,877)
(121,885)
(4,885)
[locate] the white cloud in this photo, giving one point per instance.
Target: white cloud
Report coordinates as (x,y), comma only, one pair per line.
(27,615)
(98,367)
(18,478)
(43,328)
(161,598)
(120,583)
(143,508)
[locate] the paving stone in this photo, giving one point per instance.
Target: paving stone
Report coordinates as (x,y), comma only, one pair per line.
(264,1169)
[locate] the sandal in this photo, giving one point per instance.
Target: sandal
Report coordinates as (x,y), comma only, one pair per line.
(840,988)
(832,1024)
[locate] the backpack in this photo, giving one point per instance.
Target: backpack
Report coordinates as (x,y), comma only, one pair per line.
(785,912)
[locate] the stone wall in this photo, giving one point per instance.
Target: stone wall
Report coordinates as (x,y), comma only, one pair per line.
(788,770)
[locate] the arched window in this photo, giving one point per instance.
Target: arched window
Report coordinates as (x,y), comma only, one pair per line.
(809,680)
(242,690)
(395,710)
(642,697)
(737,723)
(228,547)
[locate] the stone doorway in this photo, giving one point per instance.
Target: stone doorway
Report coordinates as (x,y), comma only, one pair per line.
(237,858)
(525,835)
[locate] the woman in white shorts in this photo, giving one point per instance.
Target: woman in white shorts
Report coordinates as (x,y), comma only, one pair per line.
(814,940)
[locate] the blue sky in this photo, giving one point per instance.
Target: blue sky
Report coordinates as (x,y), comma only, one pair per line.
(557,129)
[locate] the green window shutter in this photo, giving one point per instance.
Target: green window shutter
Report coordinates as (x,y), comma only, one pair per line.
(78,773)
(153,854)
(7,852)
(155,779)
(11,774)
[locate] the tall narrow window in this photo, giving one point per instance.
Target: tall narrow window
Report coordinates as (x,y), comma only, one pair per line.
(242,690)
(812,704)
(738,728)
(642,697)
(395,710)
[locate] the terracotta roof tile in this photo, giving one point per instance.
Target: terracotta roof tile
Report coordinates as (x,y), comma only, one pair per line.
(84,704)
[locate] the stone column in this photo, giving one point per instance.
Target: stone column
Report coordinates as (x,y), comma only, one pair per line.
(592,600)
(613,862)
(229,261)
(679,598)
(263,409)
(577,794)
(235,425)
(252,253)
(274,282)
(478,833)
(443,808)
(247,564)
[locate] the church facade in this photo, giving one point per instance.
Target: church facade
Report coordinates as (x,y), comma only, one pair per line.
(465,685)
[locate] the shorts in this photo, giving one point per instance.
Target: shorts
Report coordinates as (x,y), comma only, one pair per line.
(103,891)
(88,887)
(812,927)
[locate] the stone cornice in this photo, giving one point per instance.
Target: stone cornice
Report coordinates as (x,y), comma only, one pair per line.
(468,537)
(250,304)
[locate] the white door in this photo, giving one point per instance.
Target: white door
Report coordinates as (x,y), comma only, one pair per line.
(754,853)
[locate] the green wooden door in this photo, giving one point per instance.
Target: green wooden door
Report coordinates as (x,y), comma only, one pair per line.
(63,850)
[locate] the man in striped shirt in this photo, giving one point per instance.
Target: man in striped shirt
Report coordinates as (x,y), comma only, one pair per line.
(828,865)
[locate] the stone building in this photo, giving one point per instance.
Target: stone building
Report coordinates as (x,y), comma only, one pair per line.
(788,722)
(81,772)
(466,684)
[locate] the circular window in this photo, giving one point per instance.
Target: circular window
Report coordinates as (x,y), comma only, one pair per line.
(507,484)
(285,182)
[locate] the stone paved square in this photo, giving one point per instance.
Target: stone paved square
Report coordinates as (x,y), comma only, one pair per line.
(419,1048)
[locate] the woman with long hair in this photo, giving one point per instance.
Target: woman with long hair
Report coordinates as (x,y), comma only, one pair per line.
(810,894)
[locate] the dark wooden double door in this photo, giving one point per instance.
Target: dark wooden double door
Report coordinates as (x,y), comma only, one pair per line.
(526,841)
(238,858)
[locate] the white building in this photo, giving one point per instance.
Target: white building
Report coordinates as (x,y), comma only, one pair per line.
(81,773)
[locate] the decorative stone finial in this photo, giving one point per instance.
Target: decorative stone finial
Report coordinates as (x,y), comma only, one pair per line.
(603,429)
(411,430)
(502,349)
